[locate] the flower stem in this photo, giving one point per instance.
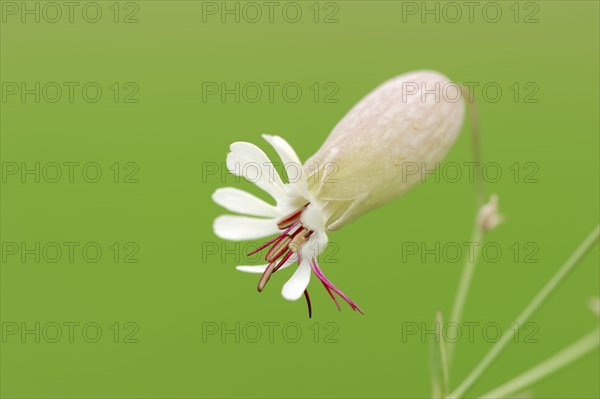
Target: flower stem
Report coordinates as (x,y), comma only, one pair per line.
(533,306)
(439,361)
(443,354)
(469,267)
(549,366)
(464,284)
(476,142)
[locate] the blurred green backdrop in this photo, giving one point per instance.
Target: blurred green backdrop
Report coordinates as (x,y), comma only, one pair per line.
(157,136)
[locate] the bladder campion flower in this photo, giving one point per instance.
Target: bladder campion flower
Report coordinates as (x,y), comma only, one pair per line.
(359,168)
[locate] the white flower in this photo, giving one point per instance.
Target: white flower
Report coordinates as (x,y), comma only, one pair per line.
(359,167)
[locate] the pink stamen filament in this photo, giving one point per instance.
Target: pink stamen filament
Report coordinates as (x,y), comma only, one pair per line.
(273,240)
(331,295)
(328,284)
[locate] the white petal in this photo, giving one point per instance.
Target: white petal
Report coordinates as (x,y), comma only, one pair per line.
(295,286)
(285,151)
(291,162)
(260,269)
(236,228)
(240,201)
(249,161)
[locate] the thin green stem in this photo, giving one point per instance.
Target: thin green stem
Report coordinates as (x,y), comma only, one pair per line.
(549,366)
(469,267)
(439,360)
(535,304)
(465,284)
(442,349)
(476,142)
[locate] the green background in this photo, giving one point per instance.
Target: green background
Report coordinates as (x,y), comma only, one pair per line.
(173,136)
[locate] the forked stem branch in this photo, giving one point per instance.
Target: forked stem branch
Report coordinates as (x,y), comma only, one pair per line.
(526,314)
(568,355)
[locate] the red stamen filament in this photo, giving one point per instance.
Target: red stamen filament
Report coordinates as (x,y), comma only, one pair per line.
(279,248)
(265,276)
(291,218)
(308,303)
(285,258)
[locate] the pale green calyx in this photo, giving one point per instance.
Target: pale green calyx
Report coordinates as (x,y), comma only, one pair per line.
(378,151)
